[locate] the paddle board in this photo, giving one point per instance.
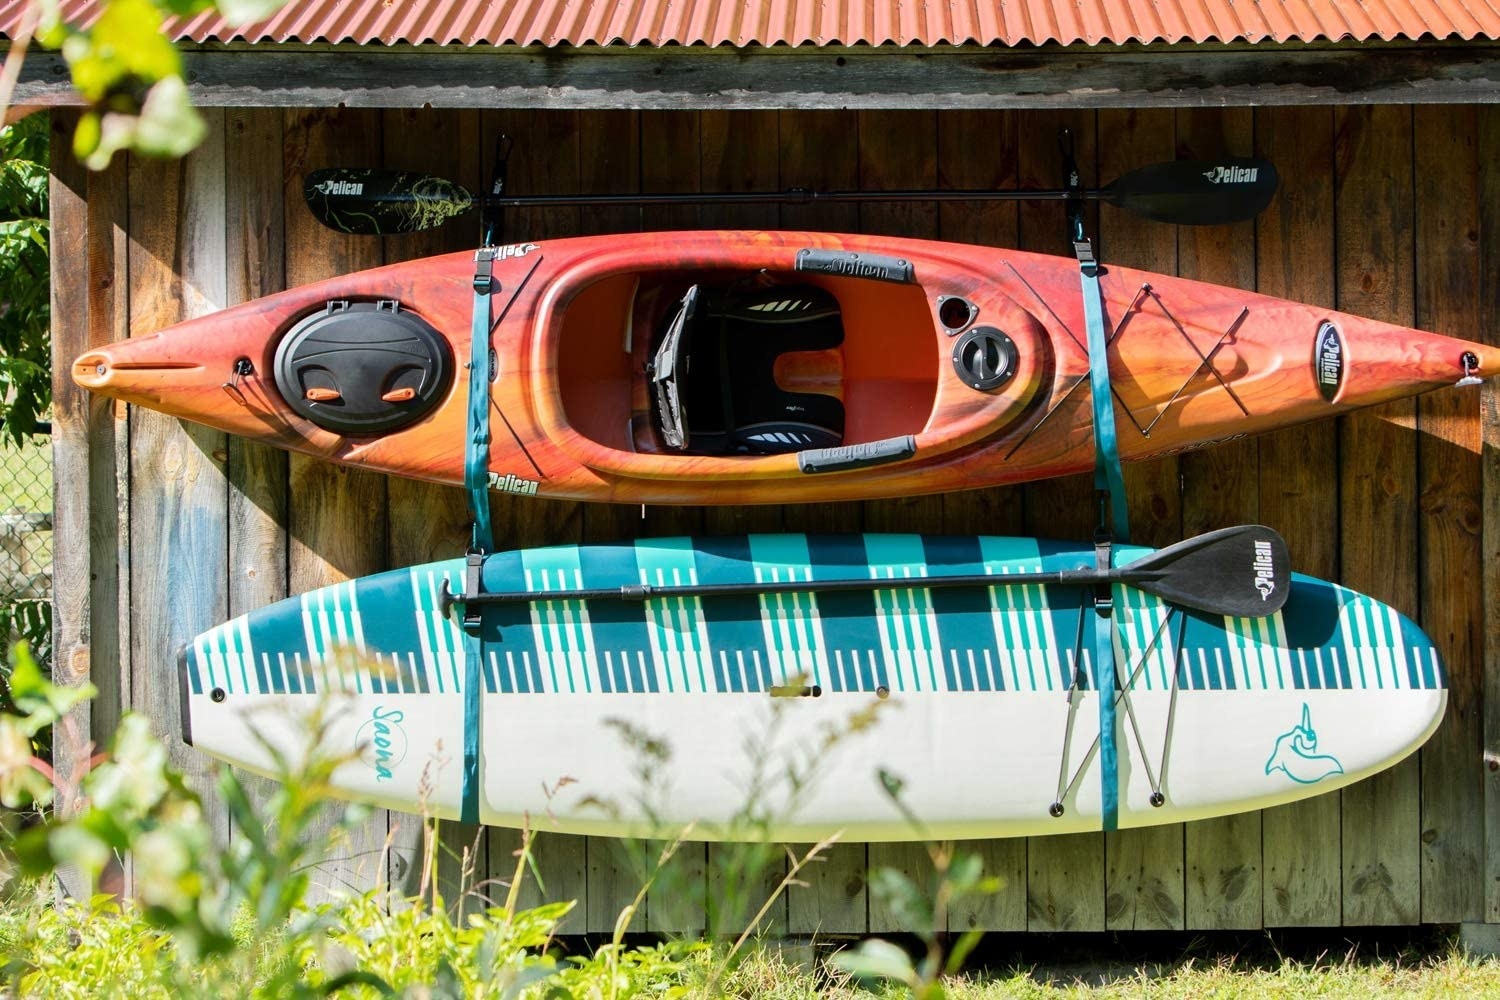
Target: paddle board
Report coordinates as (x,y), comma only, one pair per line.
(799,714)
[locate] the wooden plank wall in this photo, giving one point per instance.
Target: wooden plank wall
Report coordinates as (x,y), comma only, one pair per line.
(1384,211)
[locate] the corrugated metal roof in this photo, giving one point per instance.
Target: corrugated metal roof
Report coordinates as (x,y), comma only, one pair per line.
(830,22)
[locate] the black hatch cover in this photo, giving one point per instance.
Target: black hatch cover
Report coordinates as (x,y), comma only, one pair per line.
(363,367)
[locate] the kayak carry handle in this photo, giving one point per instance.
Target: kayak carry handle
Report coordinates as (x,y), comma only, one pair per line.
(857,456)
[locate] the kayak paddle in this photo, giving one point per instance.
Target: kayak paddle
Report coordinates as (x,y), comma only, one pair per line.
(1238,572)
(372,201)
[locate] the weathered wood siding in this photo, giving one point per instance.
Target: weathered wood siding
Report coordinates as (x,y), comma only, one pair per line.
(1386,211)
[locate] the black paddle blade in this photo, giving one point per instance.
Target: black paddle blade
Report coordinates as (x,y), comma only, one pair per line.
(375,202)
(1196,192)
(1240,572)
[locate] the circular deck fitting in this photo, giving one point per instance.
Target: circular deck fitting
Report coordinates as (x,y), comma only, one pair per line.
(985,358)
(956,313)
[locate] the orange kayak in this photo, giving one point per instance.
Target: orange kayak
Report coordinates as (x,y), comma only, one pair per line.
(763,367)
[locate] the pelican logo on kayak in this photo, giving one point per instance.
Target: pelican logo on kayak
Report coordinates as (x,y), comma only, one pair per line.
(340,187)
(382,741)
(514,250)
(1231,175)
(1328,361)
(510,483)
(1265,570)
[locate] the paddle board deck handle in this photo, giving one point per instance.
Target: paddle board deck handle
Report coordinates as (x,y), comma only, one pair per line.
(1239,572)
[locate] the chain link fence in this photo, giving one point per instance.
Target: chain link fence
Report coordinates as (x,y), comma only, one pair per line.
(26,544)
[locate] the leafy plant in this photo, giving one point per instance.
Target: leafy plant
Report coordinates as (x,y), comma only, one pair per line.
(956,875)
(130,75)
(25,309)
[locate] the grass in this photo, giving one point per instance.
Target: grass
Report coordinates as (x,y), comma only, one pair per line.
(1357,963)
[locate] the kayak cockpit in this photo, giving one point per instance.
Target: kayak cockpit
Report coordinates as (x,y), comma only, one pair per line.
(744,365)
(714,373)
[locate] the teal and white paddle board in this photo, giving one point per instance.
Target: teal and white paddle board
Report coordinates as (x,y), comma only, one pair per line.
(974,705)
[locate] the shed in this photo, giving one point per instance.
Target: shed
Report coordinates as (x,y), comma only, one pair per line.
(1377,115)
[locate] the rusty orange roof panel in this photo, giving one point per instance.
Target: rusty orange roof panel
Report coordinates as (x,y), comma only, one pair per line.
(744,23)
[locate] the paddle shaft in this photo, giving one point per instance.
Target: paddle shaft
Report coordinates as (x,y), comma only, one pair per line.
(1237,572)
(792,196)
(646,591)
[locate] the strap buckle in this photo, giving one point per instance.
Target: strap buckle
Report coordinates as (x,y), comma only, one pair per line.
(1104,601)
(473,568)
(484,264)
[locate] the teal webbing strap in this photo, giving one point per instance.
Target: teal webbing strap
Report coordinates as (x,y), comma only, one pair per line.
(1108,477)
(1104,675)
(469,794)
(477,456)
(1109,483)
(476,482)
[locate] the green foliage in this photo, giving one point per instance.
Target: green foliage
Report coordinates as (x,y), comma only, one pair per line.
(218,920)
(25,351)
(956,876)
(29,706)
(131,75)
(215,921)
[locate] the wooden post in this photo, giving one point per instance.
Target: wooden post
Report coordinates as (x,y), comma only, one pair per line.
(336,515)
(1065,883)
(1219,489)
(89,523)
(1298,490)
(178,582)
(897,149)
(1144,887)
(430,522)
(978,149)
(1378,487)
(1450,483)
(820,149)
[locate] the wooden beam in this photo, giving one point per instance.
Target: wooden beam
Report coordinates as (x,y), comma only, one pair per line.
(721,79)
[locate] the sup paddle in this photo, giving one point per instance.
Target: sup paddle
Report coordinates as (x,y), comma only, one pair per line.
(1239,572)
(376,202)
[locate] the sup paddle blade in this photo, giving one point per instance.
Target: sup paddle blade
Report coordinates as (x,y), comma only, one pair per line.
(1195,192)
(374,202)
(1239,572)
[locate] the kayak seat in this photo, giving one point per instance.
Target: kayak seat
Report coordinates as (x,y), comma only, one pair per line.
(714,372)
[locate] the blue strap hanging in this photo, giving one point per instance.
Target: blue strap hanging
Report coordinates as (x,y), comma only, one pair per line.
(1104,676)
(476,482)
(477,456)
(1109,485)
(1109,479)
